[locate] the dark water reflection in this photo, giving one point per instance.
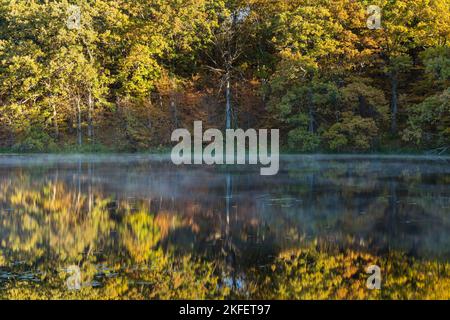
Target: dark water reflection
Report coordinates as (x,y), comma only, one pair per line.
(117,210)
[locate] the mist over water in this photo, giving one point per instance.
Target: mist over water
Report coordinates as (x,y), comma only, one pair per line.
(56,209)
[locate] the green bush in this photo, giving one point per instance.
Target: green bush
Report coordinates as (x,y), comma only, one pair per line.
(428,123)
(301,140)
(352,133)
(35,140)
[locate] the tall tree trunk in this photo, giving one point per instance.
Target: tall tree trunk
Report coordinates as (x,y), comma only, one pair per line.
(161,104)
(228,98)
(55,121)
(90,117)
(311,127)
(149,114)
(80,141)
(394,101)
(175,113)
(11,135)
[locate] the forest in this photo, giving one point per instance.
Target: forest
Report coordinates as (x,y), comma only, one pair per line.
(126,73)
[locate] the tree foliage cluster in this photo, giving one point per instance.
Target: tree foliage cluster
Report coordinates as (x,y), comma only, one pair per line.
(135,70)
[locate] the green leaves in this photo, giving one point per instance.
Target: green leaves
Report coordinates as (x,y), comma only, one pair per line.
(437,62)
(139,71)
(285,61)
(429,122)
(352,133)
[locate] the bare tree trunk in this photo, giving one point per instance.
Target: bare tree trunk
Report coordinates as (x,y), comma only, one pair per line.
(80,141)
(228,98)
(55,121)
(149,114)
(175,113)
(90,117)
(11,135)
(161,104)
(394,101)
(311,128)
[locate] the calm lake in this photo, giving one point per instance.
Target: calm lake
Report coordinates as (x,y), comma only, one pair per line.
(138,227)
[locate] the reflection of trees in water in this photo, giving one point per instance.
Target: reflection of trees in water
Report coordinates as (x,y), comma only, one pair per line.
(47,220)
(330,202)
(54,218)
(53,225)
(383,206)
(57,222)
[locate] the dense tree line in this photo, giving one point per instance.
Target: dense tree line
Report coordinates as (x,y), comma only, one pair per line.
(134,70)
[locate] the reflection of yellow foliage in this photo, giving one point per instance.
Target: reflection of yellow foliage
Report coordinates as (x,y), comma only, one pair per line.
(53,226)
(165,278)
(167,221)
(140,235)
(2,259)
(50,214)
(310,274)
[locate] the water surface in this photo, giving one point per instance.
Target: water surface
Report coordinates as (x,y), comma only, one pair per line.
(137,226)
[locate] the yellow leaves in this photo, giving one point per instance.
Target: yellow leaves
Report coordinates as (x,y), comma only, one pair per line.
(139,70)
(2,259)
(140,235)
(311,274)
(117,288)
(177,281)
(322,31)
